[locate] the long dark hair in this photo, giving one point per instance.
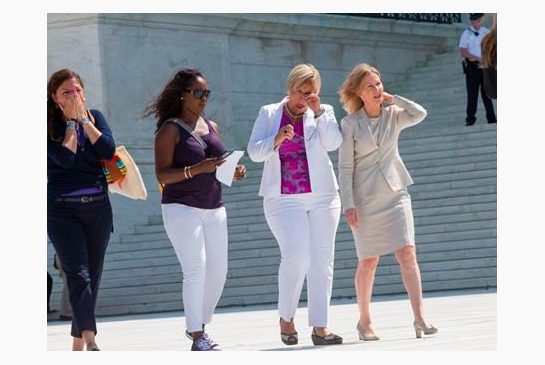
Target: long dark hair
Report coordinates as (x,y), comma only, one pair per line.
(168,104)
(54,113)
(489,48)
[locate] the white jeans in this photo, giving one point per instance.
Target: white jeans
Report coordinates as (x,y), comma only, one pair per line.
(199,237)
(304,226)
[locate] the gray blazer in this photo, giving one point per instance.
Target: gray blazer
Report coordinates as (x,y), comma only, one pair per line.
(362,158)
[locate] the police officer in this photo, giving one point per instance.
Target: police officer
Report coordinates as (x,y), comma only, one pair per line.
(470,50)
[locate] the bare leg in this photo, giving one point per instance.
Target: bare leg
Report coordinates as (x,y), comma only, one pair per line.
(78,344)
(196,334)
(365,277)
(410,272)
(89,338)
(287,327)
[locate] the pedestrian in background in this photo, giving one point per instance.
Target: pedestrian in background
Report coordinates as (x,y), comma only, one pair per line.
(470,50)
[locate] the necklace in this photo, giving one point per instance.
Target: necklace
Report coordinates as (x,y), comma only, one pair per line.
(293,117)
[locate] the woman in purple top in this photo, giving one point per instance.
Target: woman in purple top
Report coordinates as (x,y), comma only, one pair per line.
(79,215)
(301,202)
(187,150)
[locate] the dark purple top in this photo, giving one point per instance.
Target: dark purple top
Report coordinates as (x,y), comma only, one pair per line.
(203,190)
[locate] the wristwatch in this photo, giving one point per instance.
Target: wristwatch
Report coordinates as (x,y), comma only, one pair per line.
(319,114)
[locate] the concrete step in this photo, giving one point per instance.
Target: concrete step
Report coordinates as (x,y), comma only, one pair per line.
(348,247)
(462,265)
(451,204)
(258,216)
(154,293)
(165,256)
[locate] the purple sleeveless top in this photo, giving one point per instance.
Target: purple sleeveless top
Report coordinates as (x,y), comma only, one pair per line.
(203,190)
(293,160)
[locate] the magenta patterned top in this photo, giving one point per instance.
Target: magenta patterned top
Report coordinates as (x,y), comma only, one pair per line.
(293,160)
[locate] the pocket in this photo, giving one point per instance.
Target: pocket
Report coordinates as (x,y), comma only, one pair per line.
(397,175)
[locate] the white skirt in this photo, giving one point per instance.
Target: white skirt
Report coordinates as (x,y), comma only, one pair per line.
(386,222)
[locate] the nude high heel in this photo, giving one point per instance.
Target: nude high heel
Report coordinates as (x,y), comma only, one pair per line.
(364,336)
(428,330)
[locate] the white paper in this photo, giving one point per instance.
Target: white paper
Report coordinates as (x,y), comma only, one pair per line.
(226,171)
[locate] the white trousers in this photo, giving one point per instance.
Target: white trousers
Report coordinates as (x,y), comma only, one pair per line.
(199,237)
(304,226)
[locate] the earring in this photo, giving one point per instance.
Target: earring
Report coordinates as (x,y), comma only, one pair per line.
(181,98)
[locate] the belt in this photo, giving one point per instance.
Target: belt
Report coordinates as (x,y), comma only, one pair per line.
(81,199)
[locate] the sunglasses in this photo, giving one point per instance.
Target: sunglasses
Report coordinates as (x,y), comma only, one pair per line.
(199,93)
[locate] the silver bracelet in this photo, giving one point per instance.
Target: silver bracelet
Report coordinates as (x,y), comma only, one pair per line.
(85,121)
(70,125)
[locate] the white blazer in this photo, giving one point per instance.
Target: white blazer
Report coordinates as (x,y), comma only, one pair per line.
(324,134)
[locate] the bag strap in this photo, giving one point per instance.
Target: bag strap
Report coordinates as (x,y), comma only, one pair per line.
(186,127)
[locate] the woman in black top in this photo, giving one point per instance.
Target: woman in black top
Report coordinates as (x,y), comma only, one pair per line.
(79,215)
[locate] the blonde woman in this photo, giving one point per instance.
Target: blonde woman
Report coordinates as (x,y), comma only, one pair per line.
(301,203)
(373,184)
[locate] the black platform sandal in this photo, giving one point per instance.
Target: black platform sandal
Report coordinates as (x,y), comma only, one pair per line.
(331,339)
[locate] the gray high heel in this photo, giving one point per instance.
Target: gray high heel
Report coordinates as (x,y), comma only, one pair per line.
(364,336)
(428,330)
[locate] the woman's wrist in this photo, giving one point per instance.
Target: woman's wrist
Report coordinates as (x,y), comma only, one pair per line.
(70,125)
(318,114)
(84,121)
(192,171)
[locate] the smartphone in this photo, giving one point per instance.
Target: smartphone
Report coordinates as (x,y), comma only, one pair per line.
(226,154)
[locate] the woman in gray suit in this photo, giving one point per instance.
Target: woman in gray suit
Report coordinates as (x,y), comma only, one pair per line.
(373,184)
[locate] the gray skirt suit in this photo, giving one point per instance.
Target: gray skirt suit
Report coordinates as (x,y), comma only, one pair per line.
(374,180)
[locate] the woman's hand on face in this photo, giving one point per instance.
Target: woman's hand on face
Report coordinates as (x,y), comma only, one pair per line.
(313,102)
(74,107)
(286,132)
(207,166)
(389,98)
(351,217)
(240,173)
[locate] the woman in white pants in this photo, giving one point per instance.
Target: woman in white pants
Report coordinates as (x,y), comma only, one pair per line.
(187,150)
(301,202)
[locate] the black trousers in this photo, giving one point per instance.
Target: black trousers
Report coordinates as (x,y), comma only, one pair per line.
(49,289)
(474,83)
(80,233)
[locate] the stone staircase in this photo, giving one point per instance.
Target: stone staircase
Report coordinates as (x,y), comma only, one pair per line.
(454,203)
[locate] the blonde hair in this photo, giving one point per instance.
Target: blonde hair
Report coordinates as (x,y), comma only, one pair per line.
(302,74)
(351,87)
